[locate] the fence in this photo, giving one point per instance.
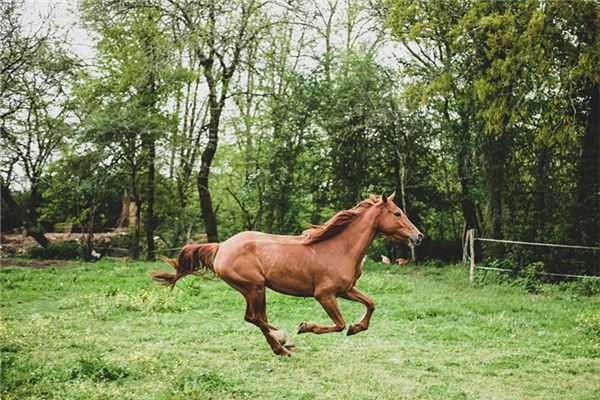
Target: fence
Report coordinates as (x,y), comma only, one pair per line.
(469,254)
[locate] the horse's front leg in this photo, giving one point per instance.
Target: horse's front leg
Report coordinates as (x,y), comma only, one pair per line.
(355,295)
(329,303)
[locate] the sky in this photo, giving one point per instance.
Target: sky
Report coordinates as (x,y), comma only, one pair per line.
(63,14)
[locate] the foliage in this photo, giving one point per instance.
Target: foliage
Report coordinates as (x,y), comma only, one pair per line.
(58,251)
(221,116)
(498,78)
(36,75)
(82,189)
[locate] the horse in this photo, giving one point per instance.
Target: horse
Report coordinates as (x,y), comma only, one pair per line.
(325,262)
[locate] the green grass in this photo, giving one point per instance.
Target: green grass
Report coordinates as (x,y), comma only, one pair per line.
(105,330)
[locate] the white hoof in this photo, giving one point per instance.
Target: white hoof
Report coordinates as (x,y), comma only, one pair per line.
(283,339)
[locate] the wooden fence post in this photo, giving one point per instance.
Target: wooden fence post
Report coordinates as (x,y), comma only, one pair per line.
(472,251)
(465,246)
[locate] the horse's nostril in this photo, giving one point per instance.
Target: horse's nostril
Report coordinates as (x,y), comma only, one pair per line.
(420,236)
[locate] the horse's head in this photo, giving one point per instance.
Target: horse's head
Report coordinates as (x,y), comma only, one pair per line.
(393,222)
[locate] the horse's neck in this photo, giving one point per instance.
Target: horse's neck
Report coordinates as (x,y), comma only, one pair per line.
(358,236)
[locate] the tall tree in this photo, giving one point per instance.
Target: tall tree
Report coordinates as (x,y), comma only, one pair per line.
(218,32)
(427,32)
(135,73)
(35,81)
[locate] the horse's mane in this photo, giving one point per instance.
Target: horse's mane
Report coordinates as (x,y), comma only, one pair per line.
(337,223)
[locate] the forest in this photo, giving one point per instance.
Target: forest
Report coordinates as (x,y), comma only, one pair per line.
(195,120)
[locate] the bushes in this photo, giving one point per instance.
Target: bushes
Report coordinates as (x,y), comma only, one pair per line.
(582,287)
(58,251)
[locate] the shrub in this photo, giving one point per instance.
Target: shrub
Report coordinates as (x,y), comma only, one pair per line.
(582,287)
(58,251)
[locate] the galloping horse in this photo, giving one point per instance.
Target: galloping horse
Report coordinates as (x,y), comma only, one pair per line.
(324,262)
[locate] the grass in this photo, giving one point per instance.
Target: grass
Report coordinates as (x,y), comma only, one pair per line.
(104,330)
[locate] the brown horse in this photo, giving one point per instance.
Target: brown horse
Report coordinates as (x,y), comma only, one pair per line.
(324,262)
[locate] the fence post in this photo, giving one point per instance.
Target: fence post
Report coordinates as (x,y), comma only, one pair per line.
(471,238)
(465,246)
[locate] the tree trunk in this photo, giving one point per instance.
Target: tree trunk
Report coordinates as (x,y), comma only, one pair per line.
(588,176)
(135,250)
(206,207)
(123,221)
(495,154)
(34,200)
(495,181)
(149,223)
(208,214)
(400,169)
(467,204)
(464,174)
(413,254)
(28,225)
(150,100)
(539,212)
(134,222)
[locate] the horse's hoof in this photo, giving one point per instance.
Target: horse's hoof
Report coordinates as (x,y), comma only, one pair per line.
(280,336)
(291,348)
(351,331)
(283,340)
(302,328)
(284,353)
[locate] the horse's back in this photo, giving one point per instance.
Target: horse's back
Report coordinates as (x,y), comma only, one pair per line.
(280,262)
(251,244)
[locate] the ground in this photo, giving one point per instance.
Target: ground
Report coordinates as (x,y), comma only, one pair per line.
(105,330)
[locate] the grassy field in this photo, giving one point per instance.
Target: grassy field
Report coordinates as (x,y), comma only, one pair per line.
(105,330)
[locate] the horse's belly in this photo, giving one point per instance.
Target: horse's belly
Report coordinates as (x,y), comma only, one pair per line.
(292,291)
(290,282)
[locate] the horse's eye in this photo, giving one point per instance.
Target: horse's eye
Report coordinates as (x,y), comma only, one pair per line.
(398,213)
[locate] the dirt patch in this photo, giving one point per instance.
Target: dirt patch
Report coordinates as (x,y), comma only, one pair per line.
(41,264)
(17,244)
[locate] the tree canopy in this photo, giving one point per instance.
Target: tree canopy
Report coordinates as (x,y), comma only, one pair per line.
(214,117)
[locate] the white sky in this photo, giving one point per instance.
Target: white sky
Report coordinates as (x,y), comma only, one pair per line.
(64,17)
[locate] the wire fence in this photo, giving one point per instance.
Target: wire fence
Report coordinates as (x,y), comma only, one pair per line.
(540,273)
(469,255)
(570,246)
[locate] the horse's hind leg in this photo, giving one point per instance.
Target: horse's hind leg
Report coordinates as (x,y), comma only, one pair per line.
(355,295)
(256,313)
(330,305)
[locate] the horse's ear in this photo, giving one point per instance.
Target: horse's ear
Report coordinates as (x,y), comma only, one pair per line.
(384,198)
(391,196)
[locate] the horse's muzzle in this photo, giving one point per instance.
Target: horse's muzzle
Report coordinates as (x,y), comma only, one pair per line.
(416,240)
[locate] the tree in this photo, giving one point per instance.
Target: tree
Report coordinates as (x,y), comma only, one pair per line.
(218,32)
(512,91)
(83,187)
(123,103)
(35,107)
(427,32)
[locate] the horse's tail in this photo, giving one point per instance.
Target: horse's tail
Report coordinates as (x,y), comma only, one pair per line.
(193,259)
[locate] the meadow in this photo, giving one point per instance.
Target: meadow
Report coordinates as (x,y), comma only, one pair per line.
(105,331)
